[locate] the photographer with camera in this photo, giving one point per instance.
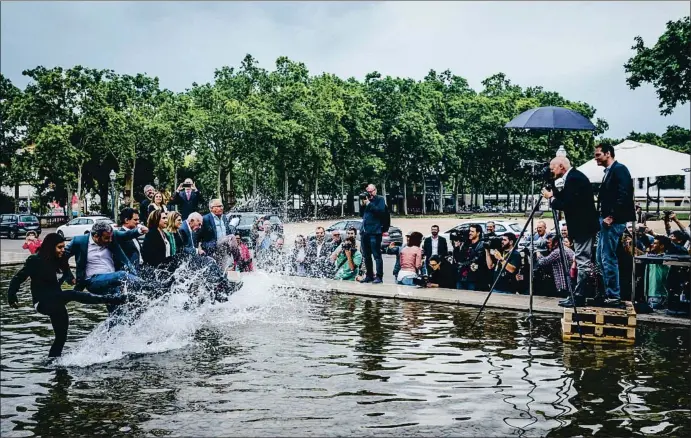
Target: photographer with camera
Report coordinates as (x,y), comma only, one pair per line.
(374,214)
(497,258)
(348,260)
(441,274)
(553,260)
(680,237)
(576,201)
(470,259)
(187,198)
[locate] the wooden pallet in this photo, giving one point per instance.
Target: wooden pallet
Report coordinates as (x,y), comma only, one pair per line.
(598,332)
(603,315)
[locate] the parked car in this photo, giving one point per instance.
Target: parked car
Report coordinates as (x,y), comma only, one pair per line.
(14,225)
(81,225)
(394,235)
(247,220)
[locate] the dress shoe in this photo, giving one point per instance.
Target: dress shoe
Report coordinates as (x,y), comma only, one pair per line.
(377,281)
(367,280)
(564,301)
(580,301)
(613,302)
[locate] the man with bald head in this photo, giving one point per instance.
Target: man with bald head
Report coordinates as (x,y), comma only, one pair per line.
(577,201)
(372,210)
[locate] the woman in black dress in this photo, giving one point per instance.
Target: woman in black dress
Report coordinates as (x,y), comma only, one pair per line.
(48,297)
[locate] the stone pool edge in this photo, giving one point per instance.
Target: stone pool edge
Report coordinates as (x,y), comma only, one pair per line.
(547,305)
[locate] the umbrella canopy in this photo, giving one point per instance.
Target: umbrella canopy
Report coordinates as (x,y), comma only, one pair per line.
(551,118)
(643,161)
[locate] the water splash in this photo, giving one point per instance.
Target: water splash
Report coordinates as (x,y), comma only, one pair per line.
(170,321)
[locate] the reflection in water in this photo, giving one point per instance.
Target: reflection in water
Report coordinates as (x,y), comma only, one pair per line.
(286,364)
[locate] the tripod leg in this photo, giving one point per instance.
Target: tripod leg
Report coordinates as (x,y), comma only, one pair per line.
(494,284)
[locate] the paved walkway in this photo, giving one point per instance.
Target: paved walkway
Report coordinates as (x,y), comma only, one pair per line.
(452,296)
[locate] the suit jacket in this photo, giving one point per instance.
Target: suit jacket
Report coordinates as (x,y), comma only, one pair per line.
(44,283)
(154,249)
(79,248)
(186,206)
(616,195)
(207,235)
(442,250)
(577,202)
(188,239)
(372,214)
(127,243)
(144,210)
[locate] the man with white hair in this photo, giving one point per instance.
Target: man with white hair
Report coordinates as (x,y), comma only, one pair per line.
(149,192)
(373,213)
(215,227)
(187,198)
(188,231)
(576,200)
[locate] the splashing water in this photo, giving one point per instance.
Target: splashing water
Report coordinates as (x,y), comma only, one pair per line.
(170,321)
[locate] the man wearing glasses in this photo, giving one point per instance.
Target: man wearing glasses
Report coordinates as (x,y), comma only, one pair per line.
(372,211)
(616,207)
(215,228)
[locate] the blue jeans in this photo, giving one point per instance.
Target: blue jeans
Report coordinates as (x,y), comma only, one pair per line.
(371,247)
(606,256)
(407,281)
(107,284)
(466,285)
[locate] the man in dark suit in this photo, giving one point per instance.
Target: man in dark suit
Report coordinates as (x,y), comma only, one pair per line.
(188,231)
(102,266)
(129,218)
(187,198)
(577,202)
(215,228)
(372,211)
(616,206)
(434,245)
(144,204)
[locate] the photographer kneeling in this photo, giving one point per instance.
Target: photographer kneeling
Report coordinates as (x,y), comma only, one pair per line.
(441,274)
(508,256)
(348,260)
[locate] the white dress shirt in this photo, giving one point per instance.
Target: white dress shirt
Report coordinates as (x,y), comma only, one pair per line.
(435,245)
(99,260)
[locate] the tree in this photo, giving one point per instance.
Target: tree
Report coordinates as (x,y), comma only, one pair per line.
(667,65)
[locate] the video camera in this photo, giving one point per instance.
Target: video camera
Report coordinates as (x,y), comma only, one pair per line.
(421,280)
(493,242)
(458,236)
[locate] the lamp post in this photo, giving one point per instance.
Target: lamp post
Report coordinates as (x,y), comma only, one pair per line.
(561,152)
(112,176)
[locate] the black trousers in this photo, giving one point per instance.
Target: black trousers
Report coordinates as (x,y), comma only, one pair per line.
(54,307)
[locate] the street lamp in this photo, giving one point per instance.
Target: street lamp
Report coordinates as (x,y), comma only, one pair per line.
(561,152)
(112,176)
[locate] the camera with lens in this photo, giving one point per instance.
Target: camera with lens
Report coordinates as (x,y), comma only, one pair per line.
(458,236)
(346,245)
(421,280)
(493,243)
(362,196)
(187,185)
(667,214)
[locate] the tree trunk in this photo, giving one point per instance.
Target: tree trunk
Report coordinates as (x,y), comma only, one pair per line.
(316,193)
(343,198)
(405,197)
(441,195)
(383,191)
(134,165)
(424,196)
(285,194)
(68,204)
(16,198)
(79,191)
(218,182)
(254,184)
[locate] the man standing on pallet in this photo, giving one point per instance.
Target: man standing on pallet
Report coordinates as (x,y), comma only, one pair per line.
(576,201)
(615,202)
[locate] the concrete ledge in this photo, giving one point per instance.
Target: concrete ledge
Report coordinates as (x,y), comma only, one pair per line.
(452,296)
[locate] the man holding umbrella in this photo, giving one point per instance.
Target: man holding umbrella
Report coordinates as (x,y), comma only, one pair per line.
(576,201)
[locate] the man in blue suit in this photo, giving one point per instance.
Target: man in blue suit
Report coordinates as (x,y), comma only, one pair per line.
(372,210)
(215,228)
(102,266)
(188,231)
(187,198)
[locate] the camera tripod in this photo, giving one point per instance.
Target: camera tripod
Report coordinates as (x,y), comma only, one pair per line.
(562,255)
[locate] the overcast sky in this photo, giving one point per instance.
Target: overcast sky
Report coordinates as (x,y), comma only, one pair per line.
(577,49)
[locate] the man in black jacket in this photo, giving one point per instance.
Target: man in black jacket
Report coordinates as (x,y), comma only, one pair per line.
(434,245)
(616,206)
(577,202)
